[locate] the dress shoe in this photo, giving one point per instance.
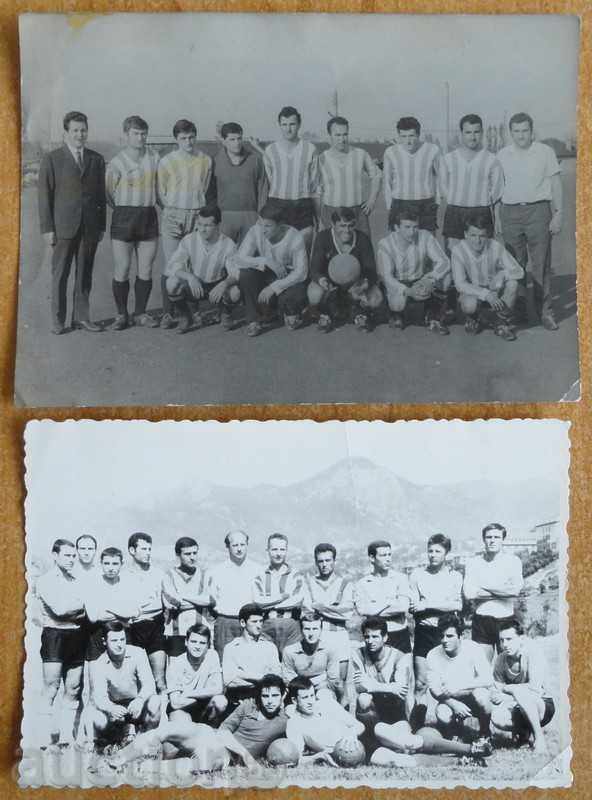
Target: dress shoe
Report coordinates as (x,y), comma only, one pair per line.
(146,321)
(119,323)
(86,325)
(58,329)
(549,323)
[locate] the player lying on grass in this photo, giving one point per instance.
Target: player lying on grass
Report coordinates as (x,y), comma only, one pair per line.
(413,267)
(259,721)
(200,270)
(343,274)
(520,701)
(486,277)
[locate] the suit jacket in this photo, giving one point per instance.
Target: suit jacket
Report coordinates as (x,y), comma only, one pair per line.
(69,197)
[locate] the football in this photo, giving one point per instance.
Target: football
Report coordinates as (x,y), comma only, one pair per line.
(344,269)
(282,752)
(349,753)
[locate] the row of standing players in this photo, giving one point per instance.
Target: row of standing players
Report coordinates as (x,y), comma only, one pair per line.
(273,627)
(517,193)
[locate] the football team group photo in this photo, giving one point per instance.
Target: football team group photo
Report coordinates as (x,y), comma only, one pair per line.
(447,240)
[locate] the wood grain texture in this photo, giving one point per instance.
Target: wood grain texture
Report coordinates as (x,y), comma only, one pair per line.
(12,586)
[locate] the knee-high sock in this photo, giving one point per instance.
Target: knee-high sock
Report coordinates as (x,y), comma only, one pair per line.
(142,291)
(120,295)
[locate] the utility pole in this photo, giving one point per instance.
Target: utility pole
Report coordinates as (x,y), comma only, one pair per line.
(447,86)
(335,105)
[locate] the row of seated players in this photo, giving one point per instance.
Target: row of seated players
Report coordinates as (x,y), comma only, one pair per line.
(76,598)
(211,723)
(270,271)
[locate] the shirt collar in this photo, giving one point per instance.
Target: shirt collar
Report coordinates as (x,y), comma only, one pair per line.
(75,152)
(283,570)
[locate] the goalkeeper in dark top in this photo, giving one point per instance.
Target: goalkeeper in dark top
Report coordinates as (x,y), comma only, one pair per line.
(413,267)
(340,289)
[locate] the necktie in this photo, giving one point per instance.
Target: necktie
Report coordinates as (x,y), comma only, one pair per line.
(79,159)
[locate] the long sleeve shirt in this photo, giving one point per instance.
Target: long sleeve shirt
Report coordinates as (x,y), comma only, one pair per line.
(105,600)
(336,594)
(62,599)
(473,274)
(114,682)
(242,186)
(286,257)
(484,577)
(327,246)
(399,264)
(293,172)
(147,584)
(245,660)
(183,594)
(272,583)
(231,585)
(321,665)
(436,589)
(209,261)
(374,593)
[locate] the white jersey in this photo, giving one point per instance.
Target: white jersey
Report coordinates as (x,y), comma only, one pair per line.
(342,174)
(284,257)
(292,173)
(410,176)
(183,179)
(206,260)
(504,573)
(132,183)
(435,588)
(472,183)
(480,270)
(410,264)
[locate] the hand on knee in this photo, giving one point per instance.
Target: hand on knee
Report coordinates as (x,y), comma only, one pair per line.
(365,702)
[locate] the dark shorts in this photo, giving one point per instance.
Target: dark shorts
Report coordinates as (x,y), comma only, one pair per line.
(400,639)
(297,213)
(485,629)
(63,646)
(282,632)
(134,223)
(197,710)
(95,645)
(390,709)
(425,638)
(454,220)
(427,210)
(174,646)
(147,634)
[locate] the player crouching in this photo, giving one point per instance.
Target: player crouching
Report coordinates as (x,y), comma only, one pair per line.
(200,270)
(486,277)
(343,273)
(413,267)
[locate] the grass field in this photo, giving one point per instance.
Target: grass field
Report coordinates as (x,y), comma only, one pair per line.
(156,367)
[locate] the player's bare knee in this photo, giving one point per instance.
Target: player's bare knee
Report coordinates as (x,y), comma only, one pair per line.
(396,301)
(233,295)
(468,304)
(373,298)
(173,285)
(153,705)
(365,702)
(219,704)
(315,293)
(443,713)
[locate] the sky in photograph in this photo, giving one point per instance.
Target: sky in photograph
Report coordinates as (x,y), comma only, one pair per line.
(212,68)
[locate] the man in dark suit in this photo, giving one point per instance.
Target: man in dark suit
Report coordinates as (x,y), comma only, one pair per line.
(72,215)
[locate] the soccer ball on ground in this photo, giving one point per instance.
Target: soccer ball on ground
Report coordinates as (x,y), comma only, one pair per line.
(282,752)
(349,753)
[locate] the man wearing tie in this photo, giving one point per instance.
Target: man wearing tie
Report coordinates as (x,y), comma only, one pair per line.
(72,217)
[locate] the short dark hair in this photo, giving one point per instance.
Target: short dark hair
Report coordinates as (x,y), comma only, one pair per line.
(401,212)
(270,680)
(336,121)
(59,543)
(324,547)
(373,546)
(343,214)
(230,127)
(135,122)
(199,630)
(409,124)
(470,119)
(86,536)
(281,536)
(112,552)
(74,116)
(520,117)
(183,542)
(272,212)
(210,211)
(112,626)
(138,537)
(494,526)
(230,533)
(374,624)
(298,684)
(184,126)
(450,620)
(510,622)
(250,610)
(289,111)
(478,219)
(440,539)
(310,616)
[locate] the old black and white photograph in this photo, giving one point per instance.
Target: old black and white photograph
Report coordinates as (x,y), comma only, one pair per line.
(302,208)
(296,604)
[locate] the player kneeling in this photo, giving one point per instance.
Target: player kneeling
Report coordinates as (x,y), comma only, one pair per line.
(520,702)
(486,277)
(200,270)
(123,696)
(413,267)
(343,273)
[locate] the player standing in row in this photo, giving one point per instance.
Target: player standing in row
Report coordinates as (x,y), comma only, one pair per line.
(200,270)
(230,585)
(273,266)
(342,170)
(292,168)
(131,193)
(531,211)
(241,182)
(493,579)
(413,266)
(385,593)
(184,185)
(278,591)
(86,551)
(411,173)
(485,275)
(357,300)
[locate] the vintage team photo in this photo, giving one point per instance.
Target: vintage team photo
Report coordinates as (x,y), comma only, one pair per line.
(297,209)
(336,604)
